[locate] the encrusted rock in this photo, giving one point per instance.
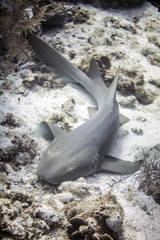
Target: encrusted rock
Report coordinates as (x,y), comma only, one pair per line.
(19,145)
(48,214)
(152,54)
(81,16)
(143,95)
(125,85)
(96,217)
(44,79)
(65,197)
(79,189)
(128,101)
(9,120)
(137,131)
(76,14)
(23,218)
(154,38)
(55,16)
(133,83)
(155,82)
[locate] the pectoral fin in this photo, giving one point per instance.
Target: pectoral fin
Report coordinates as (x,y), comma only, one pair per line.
(48,131)
(122,119)
(92,110)
(119,166)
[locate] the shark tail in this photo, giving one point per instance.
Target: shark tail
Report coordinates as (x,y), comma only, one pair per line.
(93,83)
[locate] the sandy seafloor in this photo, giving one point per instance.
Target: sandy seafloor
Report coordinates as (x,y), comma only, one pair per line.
(129,38)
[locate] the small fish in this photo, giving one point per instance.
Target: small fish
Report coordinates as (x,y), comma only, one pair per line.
(84,150)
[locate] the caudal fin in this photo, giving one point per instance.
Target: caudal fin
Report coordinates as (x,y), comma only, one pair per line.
(66,70)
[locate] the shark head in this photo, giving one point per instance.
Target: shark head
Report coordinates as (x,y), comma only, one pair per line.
(66,165)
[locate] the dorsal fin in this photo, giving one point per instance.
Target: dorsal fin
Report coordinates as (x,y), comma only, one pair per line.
(48,131)
(113,87)
(94,72)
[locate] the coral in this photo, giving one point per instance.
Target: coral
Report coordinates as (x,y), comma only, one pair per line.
(81,16)
(149,179)
(154,59)
(24,216)
(17,17)
(128,101)
(96,218)
(131,80)
(155,82)
(154,39)
(79,189)
(133,83)
(9,121)
(19,145)
(75,14)
(43,79)
(21,217)
(143,95)
(125,85)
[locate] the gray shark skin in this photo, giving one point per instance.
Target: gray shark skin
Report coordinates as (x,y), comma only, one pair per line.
(84,150)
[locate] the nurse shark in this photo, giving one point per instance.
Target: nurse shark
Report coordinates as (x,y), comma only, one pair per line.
(84,150)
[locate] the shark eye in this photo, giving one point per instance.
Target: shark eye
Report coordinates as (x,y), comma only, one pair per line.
(71,171)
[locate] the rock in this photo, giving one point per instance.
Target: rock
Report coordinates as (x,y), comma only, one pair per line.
(113,3)
(19,145)
(129,85)
(153,38)
(128,101)
(152,54)
(81,16)
(76,14)
(10,121)
(154,59)
(44,79)
(55,16)
(48,214)
(155,82)
(149,178)
(137,131)
(125,85)
(143,95)
(65,197)
(57,19)
(79,189)
(25,73)
(41,224)
(21,217)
